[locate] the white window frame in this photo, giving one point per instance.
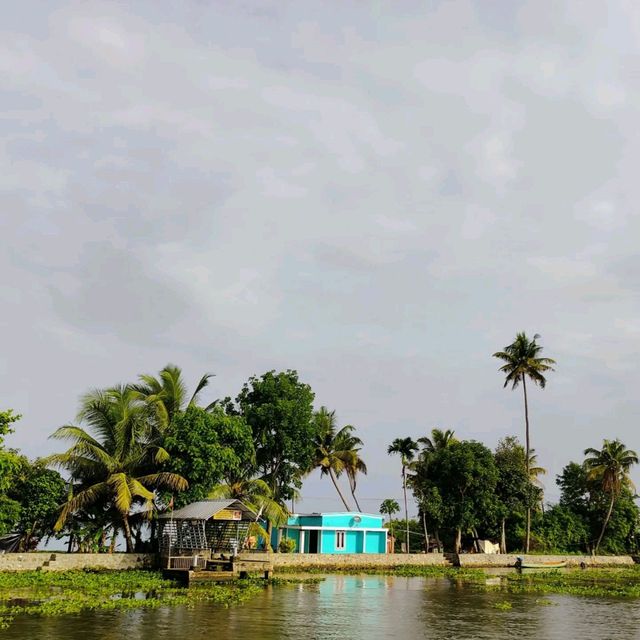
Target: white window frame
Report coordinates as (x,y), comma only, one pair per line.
(341,540)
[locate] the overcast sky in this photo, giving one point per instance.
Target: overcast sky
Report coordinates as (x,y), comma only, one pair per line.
(378,196)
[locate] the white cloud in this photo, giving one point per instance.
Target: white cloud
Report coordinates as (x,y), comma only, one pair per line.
(377,207)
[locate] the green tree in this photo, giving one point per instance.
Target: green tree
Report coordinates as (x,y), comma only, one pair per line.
(336,451)
(514,490)
(111,467)
(40,492)
(427,496)
(168,394)
(256,494)
(563,530)
(406,448)
(583,498)
(279,410)
(354,463)
(522,360)
(609,467)
(10,463)
(205,447)
(438,439)
(465,476)
(388,507)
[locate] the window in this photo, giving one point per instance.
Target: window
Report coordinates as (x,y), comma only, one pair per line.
(340,537)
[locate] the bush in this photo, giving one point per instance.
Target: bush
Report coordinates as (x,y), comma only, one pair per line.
(287,545)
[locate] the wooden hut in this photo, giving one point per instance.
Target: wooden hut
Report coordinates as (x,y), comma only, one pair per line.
(191,536)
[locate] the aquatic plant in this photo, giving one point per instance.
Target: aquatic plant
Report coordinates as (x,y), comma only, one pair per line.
(60,593)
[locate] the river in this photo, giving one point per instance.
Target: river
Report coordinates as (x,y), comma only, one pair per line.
(367,607)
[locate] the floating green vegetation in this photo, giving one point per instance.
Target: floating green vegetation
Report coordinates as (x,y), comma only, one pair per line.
(59,593)
(405,571)
(578,582)
(503,606)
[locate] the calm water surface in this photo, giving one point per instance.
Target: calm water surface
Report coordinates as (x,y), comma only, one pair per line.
(368,607)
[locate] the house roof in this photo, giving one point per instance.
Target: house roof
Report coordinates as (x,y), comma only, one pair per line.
(205,509)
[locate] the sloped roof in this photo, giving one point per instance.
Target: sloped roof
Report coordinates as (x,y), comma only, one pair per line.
(205,509)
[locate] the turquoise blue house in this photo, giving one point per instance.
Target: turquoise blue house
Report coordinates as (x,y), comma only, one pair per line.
(334,533)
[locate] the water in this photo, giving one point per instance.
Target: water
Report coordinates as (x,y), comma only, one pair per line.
(367,607)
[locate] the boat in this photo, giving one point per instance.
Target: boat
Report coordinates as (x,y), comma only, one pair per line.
(521,563)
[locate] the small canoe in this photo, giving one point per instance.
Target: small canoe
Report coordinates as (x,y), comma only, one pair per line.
(521,563)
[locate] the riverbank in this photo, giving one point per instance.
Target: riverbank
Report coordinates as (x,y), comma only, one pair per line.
(305,561)
(285,562)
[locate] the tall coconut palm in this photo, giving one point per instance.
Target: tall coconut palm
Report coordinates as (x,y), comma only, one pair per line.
(329,455)
(350,445)
(168,393)
(522,360)
(610,467)
(406,448)
(113,464)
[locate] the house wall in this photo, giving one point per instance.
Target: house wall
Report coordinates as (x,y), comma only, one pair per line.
(351,523)
(347,521)
(376,542)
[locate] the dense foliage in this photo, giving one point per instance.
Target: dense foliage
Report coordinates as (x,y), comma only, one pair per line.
(206,447)
(137,449)
(141,448)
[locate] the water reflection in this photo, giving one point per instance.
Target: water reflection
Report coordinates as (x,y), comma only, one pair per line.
(368,607)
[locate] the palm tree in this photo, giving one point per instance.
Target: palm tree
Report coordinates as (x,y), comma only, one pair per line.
(353,463)
(610,467)
(522,360)
(257,495)
(330,454)
(438,440)
(168,393)
(115,467)
(388,507)
(535,472)
(406,449)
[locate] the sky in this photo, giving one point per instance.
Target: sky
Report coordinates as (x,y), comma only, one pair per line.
(378,195)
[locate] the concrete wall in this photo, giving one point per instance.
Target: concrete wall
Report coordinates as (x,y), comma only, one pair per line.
(509,560)
(71,561)
(356,560)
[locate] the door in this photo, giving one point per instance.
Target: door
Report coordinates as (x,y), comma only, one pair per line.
(313,541)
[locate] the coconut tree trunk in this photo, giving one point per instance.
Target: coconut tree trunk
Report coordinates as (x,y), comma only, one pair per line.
(503,537)
(335,484)
(406,508)
(353,493)
(437,535)
(606,522)
(527,539)
(458,539)
(127,533)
